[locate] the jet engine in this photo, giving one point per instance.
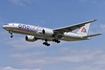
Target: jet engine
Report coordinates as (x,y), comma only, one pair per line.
(47,32)
(30,38)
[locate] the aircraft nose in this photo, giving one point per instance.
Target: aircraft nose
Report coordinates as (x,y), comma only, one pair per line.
(4,26)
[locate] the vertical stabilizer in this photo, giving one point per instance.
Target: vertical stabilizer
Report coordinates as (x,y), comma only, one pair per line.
(84,30)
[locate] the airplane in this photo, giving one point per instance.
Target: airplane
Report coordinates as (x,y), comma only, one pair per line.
(33,33)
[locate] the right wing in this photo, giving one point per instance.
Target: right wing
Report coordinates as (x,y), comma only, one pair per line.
(71,28)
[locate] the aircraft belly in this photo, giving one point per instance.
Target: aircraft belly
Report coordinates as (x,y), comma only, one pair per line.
(70,39)
(43,37)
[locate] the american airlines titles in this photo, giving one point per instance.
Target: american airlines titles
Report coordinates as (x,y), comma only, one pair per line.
(30,28)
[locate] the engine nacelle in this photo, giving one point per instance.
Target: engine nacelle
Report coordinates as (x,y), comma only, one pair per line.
(30,38)
(47,32)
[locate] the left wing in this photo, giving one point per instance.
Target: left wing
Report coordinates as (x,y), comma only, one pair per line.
(71,28)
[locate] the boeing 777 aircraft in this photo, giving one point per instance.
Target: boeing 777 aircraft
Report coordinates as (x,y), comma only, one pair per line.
(65,33)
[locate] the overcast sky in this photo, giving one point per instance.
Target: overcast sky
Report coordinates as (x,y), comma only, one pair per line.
(17,54)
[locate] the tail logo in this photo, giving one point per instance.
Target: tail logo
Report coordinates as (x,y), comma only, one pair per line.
(83,30)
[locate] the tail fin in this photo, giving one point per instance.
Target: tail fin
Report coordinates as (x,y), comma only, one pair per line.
(84,30)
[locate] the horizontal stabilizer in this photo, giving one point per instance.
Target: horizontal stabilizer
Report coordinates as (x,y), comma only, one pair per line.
(92,35)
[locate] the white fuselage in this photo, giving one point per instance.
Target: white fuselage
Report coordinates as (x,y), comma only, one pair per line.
(37,32)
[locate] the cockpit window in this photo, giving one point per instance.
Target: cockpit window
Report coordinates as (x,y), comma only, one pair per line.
(6,24)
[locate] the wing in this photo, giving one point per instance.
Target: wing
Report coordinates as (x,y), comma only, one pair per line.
(71,28)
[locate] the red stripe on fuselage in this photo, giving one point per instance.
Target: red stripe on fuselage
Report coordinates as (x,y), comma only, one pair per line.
(22,29)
